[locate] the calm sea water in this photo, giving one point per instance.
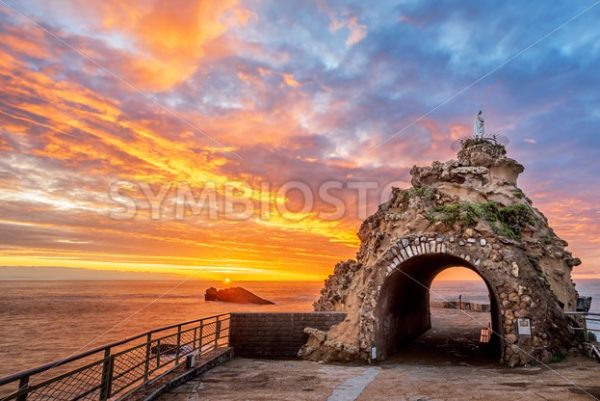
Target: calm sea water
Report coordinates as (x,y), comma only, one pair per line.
(41,321)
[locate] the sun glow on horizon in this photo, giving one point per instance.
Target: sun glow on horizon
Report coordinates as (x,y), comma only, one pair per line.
(457,274)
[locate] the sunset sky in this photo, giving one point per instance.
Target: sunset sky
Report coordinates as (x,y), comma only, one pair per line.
(161,93)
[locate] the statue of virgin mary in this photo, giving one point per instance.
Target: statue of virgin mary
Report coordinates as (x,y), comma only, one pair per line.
(478,126)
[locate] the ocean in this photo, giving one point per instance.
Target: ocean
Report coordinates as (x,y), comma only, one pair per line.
(42,321)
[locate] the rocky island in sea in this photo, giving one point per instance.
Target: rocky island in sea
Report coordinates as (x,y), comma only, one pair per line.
(236,295)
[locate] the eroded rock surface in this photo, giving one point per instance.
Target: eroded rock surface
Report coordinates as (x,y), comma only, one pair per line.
(467,212)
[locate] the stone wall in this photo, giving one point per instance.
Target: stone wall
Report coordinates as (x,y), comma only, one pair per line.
(276,335)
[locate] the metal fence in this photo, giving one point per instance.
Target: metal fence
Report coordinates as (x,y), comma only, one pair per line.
(115,369)
(589,325)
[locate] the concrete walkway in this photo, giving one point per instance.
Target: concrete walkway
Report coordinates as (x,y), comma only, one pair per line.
(353,387)
(252,379)
(447,363)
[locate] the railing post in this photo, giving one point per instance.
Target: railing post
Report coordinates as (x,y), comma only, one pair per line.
(147,361)
(195,337)
(23,389)
(158,354)
(228,329)
(177,352)
(217,333)
(201,334)
(107,366)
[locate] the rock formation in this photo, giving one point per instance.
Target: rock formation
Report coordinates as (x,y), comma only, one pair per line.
(236,295)
(467,212)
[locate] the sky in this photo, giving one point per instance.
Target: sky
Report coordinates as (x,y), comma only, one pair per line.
(106,105)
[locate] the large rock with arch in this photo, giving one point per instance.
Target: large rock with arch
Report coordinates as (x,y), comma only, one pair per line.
(467,212)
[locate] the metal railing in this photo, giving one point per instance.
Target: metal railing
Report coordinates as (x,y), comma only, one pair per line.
(589,325)
(114,370)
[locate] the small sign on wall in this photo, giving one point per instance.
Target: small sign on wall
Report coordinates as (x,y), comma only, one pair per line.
(524,327)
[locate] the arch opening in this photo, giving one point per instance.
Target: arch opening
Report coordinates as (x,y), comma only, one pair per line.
(404,311)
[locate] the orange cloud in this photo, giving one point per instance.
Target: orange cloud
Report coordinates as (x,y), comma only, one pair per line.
(61,123)
(4,145)
(576,221)
(291,81)
(459,131)
(165,40)
(18,44)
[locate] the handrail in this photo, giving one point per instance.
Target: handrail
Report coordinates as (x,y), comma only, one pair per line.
(124,366)
(582,313)
(589,333)
(38,369)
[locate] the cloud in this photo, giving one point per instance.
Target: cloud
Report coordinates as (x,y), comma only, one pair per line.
(172,37)
(291,81)
(164,42)
(356,30)
(277,91)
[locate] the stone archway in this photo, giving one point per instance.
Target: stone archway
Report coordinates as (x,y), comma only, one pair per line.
(400,290)
(403,308)
(467,212)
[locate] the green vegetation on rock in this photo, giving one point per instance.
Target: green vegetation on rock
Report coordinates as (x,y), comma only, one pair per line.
(425,192)
(462,213)
(518,194)
(514,218)
(508,221)
(546,239)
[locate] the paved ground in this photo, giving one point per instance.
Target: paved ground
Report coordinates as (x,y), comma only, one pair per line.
(445,364)
(250,379)
(452,340)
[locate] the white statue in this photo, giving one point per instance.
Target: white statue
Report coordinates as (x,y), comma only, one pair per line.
(478,125)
